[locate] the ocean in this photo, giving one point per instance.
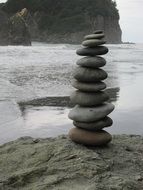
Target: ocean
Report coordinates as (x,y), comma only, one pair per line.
(45,70)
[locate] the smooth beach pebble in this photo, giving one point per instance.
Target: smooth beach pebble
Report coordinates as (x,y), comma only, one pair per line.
(90,114)
(98,32)
(84,74)
(89,87)
(89,138)
(93,62)
(88,98)
(94,36)
(95,126)
(99,50)
(93,42)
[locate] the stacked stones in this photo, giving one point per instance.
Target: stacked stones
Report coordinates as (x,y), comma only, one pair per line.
(90,114)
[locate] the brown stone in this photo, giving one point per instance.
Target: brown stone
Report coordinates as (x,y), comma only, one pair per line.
(84,137)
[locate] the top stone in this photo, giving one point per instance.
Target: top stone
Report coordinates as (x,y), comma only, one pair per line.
(94,36)
(93,42)
(98,32)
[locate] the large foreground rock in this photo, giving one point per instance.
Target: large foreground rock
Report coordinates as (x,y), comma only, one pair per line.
(59,164)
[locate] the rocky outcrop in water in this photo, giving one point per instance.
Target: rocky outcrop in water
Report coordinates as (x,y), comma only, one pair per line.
(19,33)
(59,164)
(14,29)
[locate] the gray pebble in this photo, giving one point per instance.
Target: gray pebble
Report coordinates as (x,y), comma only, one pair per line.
(95,126)
(88,98)
(90,114)
(84,74)
(93,62)
(89,87)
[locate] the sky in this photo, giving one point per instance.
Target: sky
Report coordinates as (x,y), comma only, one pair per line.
(131,19)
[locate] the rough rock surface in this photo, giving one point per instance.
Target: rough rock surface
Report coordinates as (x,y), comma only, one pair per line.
(59,164)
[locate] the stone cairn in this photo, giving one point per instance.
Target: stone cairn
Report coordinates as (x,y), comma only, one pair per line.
(90,113)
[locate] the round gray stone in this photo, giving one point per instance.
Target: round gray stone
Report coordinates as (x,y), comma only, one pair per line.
(94,36)
(99,50)
(89,87)
(95,126)
(90,114)
(84,74)
(81,136)
(93,62)
(88,98)
(93,42)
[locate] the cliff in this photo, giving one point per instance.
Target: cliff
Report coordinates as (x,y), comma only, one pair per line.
(62,21)
(109,25)
(59,164)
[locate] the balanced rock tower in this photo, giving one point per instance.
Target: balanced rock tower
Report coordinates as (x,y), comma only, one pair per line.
(90,113)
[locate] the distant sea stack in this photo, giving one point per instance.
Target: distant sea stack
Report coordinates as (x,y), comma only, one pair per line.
(64,21)
(90,114)
(18,30)
(14,30)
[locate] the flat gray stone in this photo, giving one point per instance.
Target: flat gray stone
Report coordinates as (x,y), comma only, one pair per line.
(93,62)
(94,36)
(89,87)
(99,50)
(98,32)
(93,42)
(90,114)
(98,138)
(84,74)
(95,126)
(88,98)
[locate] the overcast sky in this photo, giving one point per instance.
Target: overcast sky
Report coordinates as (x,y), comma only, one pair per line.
(131,19)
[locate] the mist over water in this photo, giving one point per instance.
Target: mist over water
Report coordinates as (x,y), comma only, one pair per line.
(45,70)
